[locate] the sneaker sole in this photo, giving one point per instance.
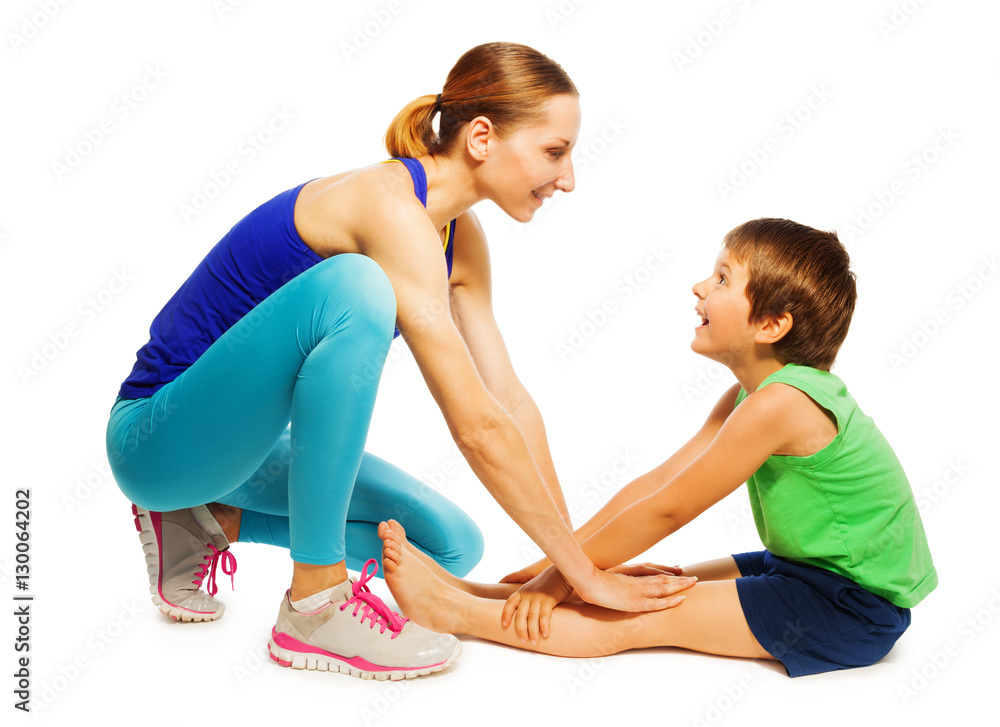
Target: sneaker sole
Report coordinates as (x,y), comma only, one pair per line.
(355,667)
(147,527)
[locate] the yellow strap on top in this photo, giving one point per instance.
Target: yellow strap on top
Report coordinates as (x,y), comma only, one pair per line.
(447,237)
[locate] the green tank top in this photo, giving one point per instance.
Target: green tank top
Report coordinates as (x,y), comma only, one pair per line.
(847,508)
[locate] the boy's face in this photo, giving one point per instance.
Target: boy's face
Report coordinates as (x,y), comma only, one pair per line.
(723,308)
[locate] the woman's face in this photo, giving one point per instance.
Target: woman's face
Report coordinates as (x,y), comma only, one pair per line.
(530,164)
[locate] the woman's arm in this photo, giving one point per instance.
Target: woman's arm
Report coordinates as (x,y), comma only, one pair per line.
(394,230)
(472,311)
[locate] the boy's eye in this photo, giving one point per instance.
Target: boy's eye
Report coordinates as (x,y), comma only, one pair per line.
(722,279)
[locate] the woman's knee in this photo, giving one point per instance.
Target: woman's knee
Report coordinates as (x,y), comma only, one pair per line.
(465,547)
(358,284)
(433,523)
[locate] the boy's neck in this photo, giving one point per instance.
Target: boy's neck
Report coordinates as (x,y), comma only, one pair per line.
(751,374)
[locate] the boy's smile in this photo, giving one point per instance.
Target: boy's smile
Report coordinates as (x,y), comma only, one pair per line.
(724,310)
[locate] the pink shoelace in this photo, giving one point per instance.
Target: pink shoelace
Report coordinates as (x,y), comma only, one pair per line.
(374,607)
(213,558)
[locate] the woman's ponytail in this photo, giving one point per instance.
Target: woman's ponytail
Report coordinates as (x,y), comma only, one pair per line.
(411,134)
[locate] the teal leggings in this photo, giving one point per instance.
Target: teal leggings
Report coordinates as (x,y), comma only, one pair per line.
(273,419)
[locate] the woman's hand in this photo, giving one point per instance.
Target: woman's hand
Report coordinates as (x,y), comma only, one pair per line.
(634,587)
(635,593)
(643,569)
(630,569)
(530,607)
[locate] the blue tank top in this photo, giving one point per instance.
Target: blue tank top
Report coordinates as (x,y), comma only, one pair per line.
(262,252)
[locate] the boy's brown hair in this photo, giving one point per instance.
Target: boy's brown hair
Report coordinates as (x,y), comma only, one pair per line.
(803,271)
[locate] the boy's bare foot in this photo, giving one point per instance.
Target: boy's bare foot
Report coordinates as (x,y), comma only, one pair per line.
(432,565)
(484,590)
(420,594)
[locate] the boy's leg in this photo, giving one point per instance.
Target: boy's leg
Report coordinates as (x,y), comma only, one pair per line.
(720,569)
(710,620)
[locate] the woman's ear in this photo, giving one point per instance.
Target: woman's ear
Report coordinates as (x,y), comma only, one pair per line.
(774,328)
(478,137)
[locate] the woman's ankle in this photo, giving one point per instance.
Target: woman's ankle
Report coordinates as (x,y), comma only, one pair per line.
(229,519)
(309,579)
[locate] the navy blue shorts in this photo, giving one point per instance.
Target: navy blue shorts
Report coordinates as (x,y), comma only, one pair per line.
(813,620)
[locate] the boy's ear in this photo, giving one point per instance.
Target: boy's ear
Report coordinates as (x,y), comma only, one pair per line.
(774,328)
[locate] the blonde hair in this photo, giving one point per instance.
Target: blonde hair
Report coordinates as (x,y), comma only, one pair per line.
(508,83)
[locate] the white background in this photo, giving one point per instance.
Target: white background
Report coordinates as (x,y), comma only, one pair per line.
(677,98)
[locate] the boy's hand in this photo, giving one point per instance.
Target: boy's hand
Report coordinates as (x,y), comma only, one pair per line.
(530,607)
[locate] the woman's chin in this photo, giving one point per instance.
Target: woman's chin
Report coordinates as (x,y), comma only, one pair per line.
(521,215)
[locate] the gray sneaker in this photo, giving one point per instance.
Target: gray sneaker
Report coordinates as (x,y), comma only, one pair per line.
(182,547)
(358,635)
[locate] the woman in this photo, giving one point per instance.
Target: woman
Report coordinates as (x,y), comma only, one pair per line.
(267,361)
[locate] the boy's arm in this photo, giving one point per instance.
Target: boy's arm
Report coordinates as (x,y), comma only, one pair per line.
(647,484)
(651,482)
(763,424)
(766,422)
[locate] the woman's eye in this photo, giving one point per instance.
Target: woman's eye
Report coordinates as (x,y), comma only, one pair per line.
(557,153)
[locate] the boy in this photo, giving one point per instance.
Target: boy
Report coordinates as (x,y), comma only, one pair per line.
(846,552)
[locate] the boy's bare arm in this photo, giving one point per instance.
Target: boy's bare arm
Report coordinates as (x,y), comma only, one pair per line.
(647,484)
(655,479)
(764,423)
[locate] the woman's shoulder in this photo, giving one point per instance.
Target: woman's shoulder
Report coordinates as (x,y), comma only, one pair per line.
(371,185)
(333,213)
(468,228)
